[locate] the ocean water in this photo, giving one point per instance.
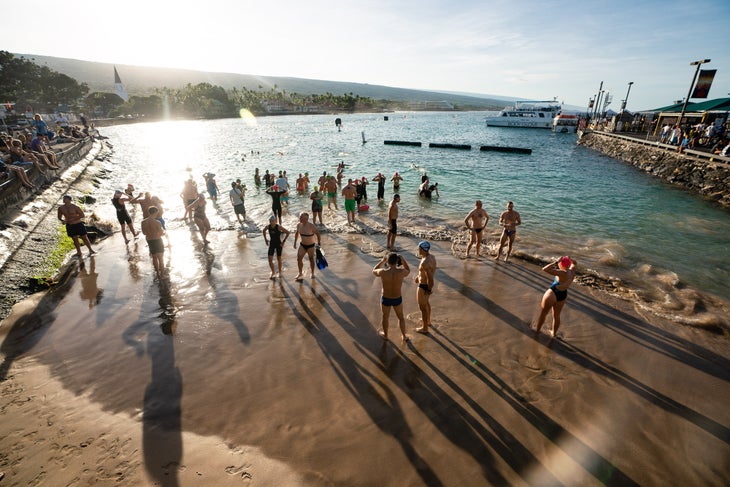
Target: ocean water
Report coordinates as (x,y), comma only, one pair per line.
(668,247)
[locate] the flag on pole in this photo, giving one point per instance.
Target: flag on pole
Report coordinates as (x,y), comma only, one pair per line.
(702,88)
(118,88)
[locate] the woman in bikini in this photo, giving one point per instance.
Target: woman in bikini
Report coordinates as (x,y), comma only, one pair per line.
(310,237)
(554,298)
(197,207)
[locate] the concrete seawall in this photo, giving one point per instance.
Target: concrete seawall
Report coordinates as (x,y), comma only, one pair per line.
(13,193)
(695,171)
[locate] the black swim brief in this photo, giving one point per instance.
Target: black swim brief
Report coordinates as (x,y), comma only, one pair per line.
(391,301)
(425,288)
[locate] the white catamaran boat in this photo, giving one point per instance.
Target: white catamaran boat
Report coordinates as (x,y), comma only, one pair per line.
(526,114)
(565,124)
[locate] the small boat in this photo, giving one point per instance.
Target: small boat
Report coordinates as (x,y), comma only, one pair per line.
(526,114)
(565,124)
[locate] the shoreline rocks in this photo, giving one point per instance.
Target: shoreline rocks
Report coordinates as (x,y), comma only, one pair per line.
(710,179)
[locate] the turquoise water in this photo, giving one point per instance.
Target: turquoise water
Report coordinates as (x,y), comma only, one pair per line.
(612,218)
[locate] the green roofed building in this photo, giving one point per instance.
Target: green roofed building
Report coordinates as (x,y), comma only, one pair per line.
(702,112)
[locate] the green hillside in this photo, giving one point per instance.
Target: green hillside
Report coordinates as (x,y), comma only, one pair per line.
(143,80)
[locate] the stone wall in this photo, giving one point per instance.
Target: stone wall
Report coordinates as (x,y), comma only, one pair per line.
(708,177)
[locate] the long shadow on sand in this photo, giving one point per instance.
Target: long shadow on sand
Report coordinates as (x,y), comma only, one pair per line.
(455,422)
(361,383)
(225,303)
(638,331)
(594,364)
(602,469)
(161,419)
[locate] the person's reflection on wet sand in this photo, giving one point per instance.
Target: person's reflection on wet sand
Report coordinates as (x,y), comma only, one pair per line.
(89,289)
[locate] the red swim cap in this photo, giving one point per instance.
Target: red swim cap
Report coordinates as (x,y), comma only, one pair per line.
(565,262)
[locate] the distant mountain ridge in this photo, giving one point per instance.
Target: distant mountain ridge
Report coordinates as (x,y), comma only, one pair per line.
(141,81)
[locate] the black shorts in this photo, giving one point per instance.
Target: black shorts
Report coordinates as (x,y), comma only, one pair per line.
(393,227)
(239,209)
(76,229)
(123,217)
(156,246)
(275,248)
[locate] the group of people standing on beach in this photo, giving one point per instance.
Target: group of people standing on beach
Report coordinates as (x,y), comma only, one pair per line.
(392,269)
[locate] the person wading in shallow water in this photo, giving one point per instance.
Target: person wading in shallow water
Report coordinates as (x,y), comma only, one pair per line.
(554,298)
(391,278)
(153,232)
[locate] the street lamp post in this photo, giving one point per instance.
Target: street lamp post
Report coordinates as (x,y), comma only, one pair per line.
(623,105)
(689,93)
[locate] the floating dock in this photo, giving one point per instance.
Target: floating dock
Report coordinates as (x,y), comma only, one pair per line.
(401,142)
(497,148)
(450,146)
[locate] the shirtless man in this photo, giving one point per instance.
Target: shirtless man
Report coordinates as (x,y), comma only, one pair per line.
(392,222)
(392,281)
(309,233)
(189,194)
(330,186)
(508,220)
(425,281)
(153,232)
(476,221)
(349,192)
(73,216)
(396,181)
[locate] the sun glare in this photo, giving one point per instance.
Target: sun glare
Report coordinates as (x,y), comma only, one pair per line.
(248,117)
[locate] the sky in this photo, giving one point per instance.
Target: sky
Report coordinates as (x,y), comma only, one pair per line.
(538,50)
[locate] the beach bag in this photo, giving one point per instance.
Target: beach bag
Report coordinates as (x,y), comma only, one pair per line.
(321,261)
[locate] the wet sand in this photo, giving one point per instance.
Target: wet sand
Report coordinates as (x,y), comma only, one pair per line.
(222,376)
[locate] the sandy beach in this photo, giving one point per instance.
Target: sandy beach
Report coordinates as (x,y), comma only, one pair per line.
(222,377)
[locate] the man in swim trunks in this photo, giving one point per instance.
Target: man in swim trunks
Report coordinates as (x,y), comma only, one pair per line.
(391,278)
(189,194)
(425,282)
(73,216)
(275,243)
(392,222)
(554,298)
(330,186)
(236,197)
(153,232)
(476,221)
(508,220)
(349,192)
(310,237)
